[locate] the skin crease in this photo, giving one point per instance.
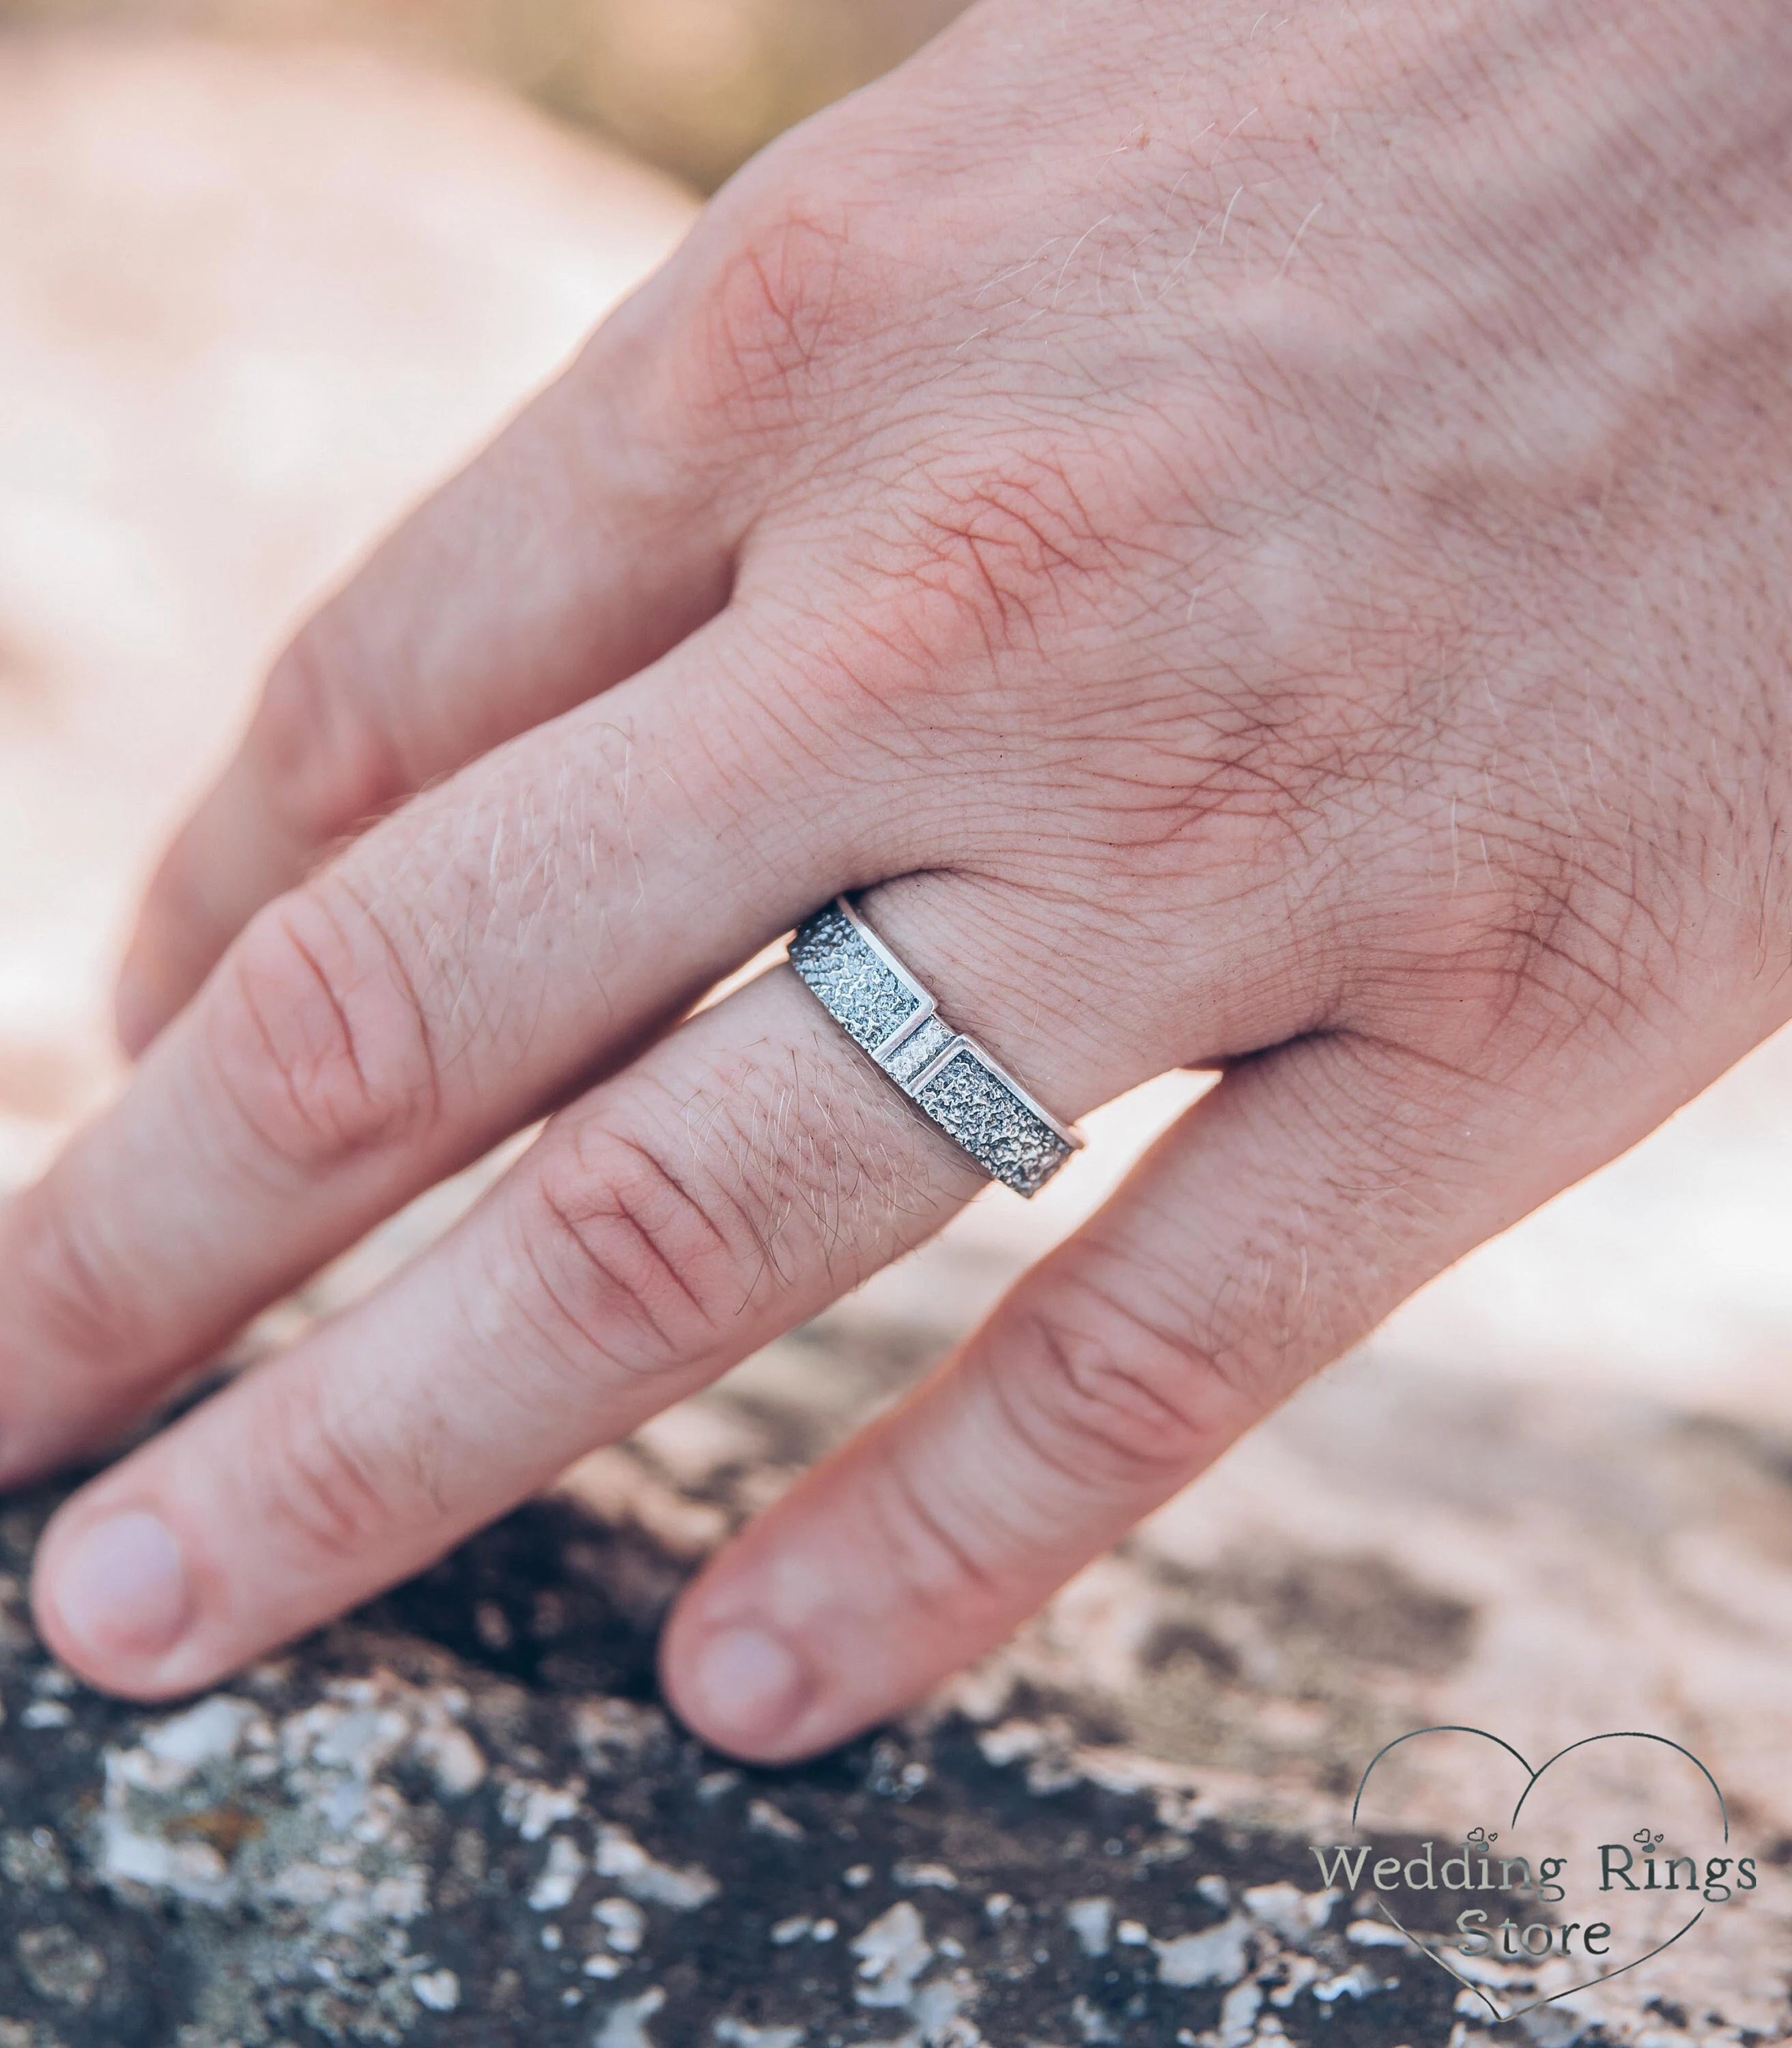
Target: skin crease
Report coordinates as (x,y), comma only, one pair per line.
(1255,538)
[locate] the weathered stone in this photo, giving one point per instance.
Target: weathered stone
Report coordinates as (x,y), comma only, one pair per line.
(281,1862)
(287,1861)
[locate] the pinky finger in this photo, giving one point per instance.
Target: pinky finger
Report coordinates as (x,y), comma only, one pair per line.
(1273,1226)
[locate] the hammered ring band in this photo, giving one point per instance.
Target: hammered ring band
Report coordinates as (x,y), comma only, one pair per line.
(889,1015)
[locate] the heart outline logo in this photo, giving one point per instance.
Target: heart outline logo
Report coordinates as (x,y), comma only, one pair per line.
(1531,1780)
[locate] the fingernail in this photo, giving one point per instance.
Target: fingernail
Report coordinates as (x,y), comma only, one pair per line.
(751,1687)
(122,1588)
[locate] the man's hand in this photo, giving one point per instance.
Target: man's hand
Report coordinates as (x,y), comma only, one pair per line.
(1255,537)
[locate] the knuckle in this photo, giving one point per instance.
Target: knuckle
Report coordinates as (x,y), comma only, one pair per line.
(67,1288)
(322,1490)
(941,1550)
(638,1261)
(999,553)
(1586,944)
(318,1037)
(1104,1394)
(329,762)
(1561,944)
(786,294)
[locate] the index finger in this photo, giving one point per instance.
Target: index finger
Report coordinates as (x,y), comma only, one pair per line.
(577,549)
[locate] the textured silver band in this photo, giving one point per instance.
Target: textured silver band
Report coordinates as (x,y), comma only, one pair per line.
(882,1007)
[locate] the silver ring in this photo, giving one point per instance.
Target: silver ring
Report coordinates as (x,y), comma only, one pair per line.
(972,1097)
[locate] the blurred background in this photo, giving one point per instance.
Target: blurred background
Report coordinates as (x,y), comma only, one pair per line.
(693,86)
(270,268)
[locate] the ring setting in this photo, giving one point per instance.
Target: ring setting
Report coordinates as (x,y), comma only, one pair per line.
(891,1016)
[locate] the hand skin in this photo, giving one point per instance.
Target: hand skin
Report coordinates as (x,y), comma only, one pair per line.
(1256,538)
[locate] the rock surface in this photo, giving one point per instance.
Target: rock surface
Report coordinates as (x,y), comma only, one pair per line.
(247,307)
(461,1817)
(499,1838)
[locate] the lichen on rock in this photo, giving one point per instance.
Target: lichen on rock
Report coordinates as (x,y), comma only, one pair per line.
(378,1838)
